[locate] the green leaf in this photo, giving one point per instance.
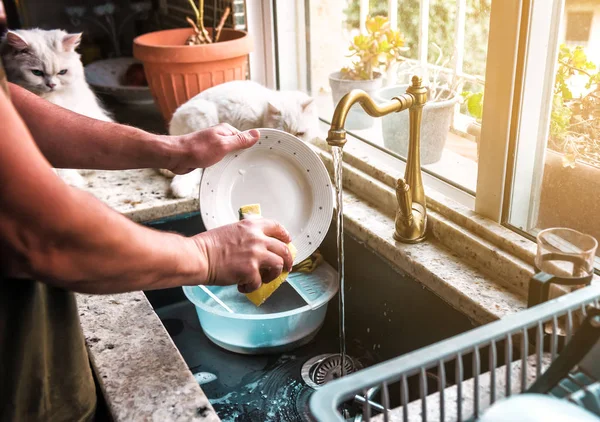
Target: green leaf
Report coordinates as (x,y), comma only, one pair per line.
(360,42)
(560,118)
(384,47)
(475,105)
(377,49)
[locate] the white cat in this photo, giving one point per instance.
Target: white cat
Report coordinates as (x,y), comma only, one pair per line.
(46,63)
(244,105)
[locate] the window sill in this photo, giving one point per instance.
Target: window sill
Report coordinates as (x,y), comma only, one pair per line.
(476,265)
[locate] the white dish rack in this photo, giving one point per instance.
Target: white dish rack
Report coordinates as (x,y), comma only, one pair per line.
(547,349)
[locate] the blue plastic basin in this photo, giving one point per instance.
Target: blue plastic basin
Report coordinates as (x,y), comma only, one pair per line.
(282,323)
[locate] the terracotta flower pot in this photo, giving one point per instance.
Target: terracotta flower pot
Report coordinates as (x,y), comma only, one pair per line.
(176,72)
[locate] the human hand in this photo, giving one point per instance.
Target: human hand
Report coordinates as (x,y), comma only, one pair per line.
(208,146)
(247,253)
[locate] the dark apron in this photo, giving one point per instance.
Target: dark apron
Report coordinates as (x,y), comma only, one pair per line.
(45,373)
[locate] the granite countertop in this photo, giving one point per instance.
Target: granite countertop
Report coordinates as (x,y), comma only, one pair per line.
(142,195)
(142,375)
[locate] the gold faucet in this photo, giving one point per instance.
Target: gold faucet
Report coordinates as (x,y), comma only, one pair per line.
(411,217)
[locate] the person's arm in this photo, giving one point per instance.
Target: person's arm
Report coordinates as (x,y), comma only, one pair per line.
(67,238)
(71,140)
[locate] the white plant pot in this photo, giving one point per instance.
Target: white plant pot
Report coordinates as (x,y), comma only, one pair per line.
(357,119)
(435,124)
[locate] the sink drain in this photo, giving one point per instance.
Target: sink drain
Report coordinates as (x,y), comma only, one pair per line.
(324,368)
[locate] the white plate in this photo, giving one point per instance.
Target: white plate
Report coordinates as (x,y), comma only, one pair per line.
(281,173)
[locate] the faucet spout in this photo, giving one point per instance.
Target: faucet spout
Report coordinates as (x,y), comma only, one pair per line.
(336,136)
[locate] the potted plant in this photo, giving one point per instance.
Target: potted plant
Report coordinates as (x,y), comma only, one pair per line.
(569,193)
(574,119)
(438,113)
(180,63)
(373,53)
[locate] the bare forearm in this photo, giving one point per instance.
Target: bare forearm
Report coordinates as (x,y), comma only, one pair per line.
(92,249)
(70,140)
(67,238)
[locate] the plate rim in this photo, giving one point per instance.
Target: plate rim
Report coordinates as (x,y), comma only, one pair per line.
(319,163)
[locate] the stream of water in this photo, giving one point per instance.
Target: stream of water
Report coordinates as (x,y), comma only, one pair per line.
(337,178)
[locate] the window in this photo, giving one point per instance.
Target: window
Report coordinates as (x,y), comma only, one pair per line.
(537,160)
(446,41)
(556,176)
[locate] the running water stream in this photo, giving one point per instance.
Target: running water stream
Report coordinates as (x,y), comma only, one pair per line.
(337,178)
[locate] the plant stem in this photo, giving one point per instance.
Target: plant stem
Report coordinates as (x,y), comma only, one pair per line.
(221,24)
(201,20)
(575,68)
(201,15)
(582,122)
(196,13)
(214,21)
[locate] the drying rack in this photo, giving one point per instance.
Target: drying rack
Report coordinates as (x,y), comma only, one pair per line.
(547,349)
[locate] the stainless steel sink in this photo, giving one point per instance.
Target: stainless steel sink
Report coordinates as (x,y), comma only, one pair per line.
(388,314)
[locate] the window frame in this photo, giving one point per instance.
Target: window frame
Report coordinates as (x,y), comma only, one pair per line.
(521,204)
(261,26)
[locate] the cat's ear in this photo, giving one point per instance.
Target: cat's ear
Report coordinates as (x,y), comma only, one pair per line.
(274,111)
(16,41)
(71,41)
(307,103)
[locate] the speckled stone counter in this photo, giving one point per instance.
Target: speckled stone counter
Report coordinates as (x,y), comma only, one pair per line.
(142,375)
(141,195)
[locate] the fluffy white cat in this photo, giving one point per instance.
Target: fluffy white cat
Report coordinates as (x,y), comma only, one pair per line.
(46,63)
(244,105)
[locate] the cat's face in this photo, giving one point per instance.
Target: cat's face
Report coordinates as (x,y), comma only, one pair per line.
(295,113)
(41,61)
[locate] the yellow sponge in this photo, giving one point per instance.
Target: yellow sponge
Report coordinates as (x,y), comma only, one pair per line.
(260,295)
(249,211)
